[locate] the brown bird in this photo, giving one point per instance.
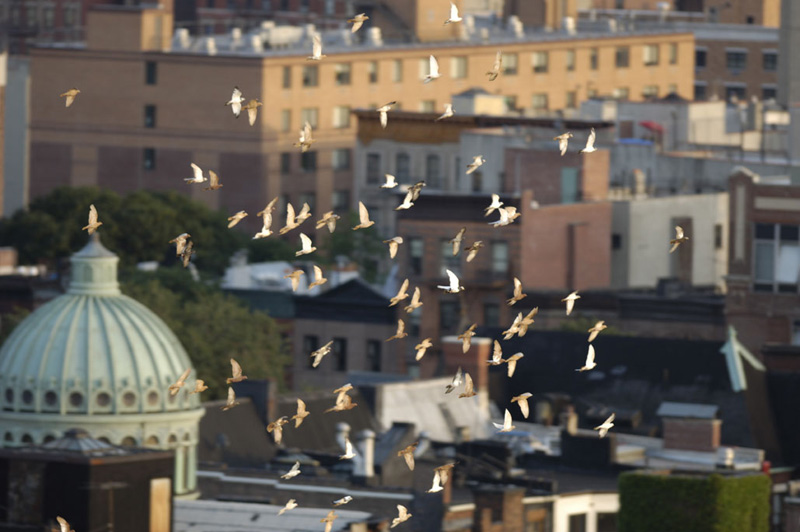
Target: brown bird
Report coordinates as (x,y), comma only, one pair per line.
(231,400)
(498,64)
(329,219)
(188,251)
(444,472)
(469,387)
(236,218)
(319,279)
(457,240)
(401,327)
(522,401)
(518,295)
(596,329)
(527,321)
(180,243)
(401,294)
(357,21)
(363,216)
(277,428)
(175,388)
(199,387)
(512,363)
(61,521)
(301,414)
(422,347)
(408,455)
(343,402)
(415,302)
(497,355)
(236,370)
(402,515)
(466,337)
(295,277)
(93,223)
(679,238)
(269,208)
(213,181)
(415,190)
(394,244)
(320,353)
(305,141)
(304,214)
(70,96)
(328,520)
(252,110)
(291,221)
(473,250)
(563,141)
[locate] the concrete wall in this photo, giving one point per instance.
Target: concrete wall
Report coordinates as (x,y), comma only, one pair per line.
(590,504)
(15,163)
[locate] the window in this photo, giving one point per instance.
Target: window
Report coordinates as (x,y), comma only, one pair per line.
(651,54)
(673,53)
(48,15)
(795,333)
(402,170)
(572,100)
(594,59)
(433,170)
(509,64)
(149,116)
(310,344)
(304,6)
(149,158)
(416,247)
(310,76)
(31,16)
(622,93)
(777,258)
(769,92)
(341,116)
(150,72)
(672,88)
(310,115)
(447,260)
(373,168)
(287,77)
(540,102)
(427,106)
(500,257)
(511,104)
(286,120)
(736,60)
(771,61)
(606,522)
(622,57)
(616,241)
(700,58)
(69,16)
(735,92)
(330,7)
(341,200)
(374,355)
(540,60)
(650,91)
(308,161)
(717,236)
(477,181)
(342,71)
(448,315)
(424,68)
(286,163)
(700,91)
(570,60)
(341,159)
(397,71)
(491,315)
(372,71)
(577,523)
(458,67)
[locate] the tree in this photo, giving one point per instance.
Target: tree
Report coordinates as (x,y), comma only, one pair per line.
(364,247)
(212,326)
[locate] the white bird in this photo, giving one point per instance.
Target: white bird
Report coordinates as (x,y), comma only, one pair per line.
(307,246)
(329,218)
(291,505)
(320,353)
(349,452)
(512,363)
(570,300)
(319,279)
(93,223)
(454,287)
(453,15)
(265,226)
(507,216)
(590,143)
(291,220)
(344,500)
(357,21)
(456,382)
(589,364)
(506,426)
(476,163)
(563,142)
(422,347)
(401,294)
(497,355)
(198,175)
(606,425)
(402,516)
(498,64)
(448,112)
(437,483)
(596,329)
(383,111)
(434,70)
(305,140)
(518,295)
(495,205)
(394,244)
(679,238)
(415,301)
(236,102)
(293,472)
(316,49)
(407,203)
(522,401)
(391,181)
(363,217)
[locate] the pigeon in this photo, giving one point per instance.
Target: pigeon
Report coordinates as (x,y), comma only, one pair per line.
(476,163)
(415,189)
(320,353)
(498,64)
(522,401)
(456,241)
(422,347)
(329,218)
(363,215)
(70,96)
(590,143)
(357,21)
(527,321)
(518,295)
(512,363)
(180,243)
(456,382)
(231,402)
(563,141)
(213,180)
(328,520)
(266,224)
(466,337)
(198,175)
(176,387)
(453,15)
(391,181)
(570,300)
(319,279)
(589,364)
(497,355)
(93,224)
(305,140)
(344,500)
(605,426)
(469,387)
(269,208)
(506,426)
(437,483)
(679,238)
(301,414)
(63,524)
(402,515)
(293,472)
(495,205)
(186,256)
(408,455)
(291,505)
(307,246)
(343,401)
(316,49)
(349,453)
(304,214)
(401,294)
(236,371)
(199,387)
(236,218)
(444,472)
(594,331)
(407,201)
(454,287)
(252,110)
(448,112)
(295,277)
(383,111)
(291,220)
(236,102)
(434,70)
(277,428)
(415,302)
(401,332)
(507,216)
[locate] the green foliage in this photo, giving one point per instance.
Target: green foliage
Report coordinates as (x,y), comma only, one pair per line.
(713,503)
(212,326)
(364,247)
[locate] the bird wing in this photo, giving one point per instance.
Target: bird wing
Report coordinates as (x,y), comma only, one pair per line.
(517,287)
(213,178)
(590,140)
(384,117)
(185,375)
(317,273)
(401,327)
(570,306)
(92,215)
(63,523)
(231,395)
(289,214)
(523,407)
(363,213)
(562,145)
(306,241)
(198,173)
(512,365)
(357,23)
(435,64)
(437,481)
(453,280)
(237,94)
(403,288)
(316,48)
(678,232)
(390,180)
(402,511)
(295,467)
(507,419)
(416,296)
(498,62)
(453,11)
(497,353)
(468,385)
(236,369)
(252,113)
(590,356)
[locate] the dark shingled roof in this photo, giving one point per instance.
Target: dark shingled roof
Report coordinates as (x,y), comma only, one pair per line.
(354,300)
(236,437)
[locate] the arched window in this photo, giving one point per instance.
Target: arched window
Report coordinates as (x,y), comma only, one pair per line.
(403,168)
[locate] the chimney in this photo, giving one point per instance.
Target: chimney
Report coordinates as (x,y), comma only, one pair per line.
(342,434)
(690,426)
(364,462)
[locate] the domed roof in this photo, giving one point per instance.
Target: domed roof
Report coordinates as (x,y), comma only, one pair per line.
(93,350)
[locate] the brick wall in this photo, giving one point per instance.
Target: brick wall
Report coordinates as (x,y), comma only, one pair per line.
(692,434)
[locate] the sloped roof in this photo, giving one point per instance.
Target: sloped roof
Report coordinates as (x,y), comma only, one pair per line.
(235,437)
(354,300)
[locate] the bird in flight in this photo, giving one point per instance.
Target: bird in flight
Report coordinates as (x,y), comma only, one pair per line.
(590,143)
(349,452)
(456,382)
(434,70)
(236,218)
(329,218)
(437,483)
(63,524)
(563,142)
(252,110)
(497,355)
(448,112)
(506,426)
(402,514)
(383,112)
(495,205)
(570,300)
(319,279)
(453,15)
(320,353)
(236,371)
(498,64)
(176,387)
(363,216)
(186,256)
(391,181)
(415,301)
(199,387)
(305,140)
(293,472)
(415,189)
(679,239)
(70,96)
(422,347)
(401,294)
(213,181)
(343,401)
(469,387)
(266,224)
(295,277)
(590,363)
(236,101)
(512,363)
(507,216)
(522,401)
(197,176)
(301,414)
(456,241)
(596,329)
(473,250)
(476,163)
(231,402)
(316,49)
(357,21)
(518,295)
(400,333)
(93,224)
(604,427)
(276,427)
(466,337)
(408,455)
(344,500)
(307,246)
(407,201)
(454,287)
(328,520)
(291,505)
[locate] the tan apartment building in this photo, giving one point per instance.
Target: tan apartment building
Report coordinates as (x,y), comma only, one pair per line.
(757,12)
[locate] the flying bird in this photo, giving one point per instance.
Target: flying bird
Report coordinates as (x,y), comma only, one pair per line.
(236,371)
(277,428)
(605,426)
(344,500)
(213,181)
(506,426)
(434,70)
(453,15)
(402,514)
(304,214)
(320,353)
(176,387)
(316,49)
(456,382)
(437,483)
(293,472)
(343,402)
(495,205)
(498,64)
(93,224)
(497,355)
(679,238)
(444,472)
(415,302)
(563,142)
(291,220)
(269,208)
(589,364)
(357,21)
(383,111)
(522,401)
(328,520)
(186,256)
(448,112)
(401,294)
(266,224)
(570,300)
(70,96)
(476,163)
(363,216)
(236,218)
(422,347)
(199,387)
(301,414)
(307,246)
(252,110)
(231,402)
(236,101)
(295,277)
(456,241)
(305,139)
(63,524)
(527,321)
(408,201)
(415,190)
(291,505)
(319,279)
(596,329)
(391,181)
(512,363)
(590,143)
(507,216)
(329,218)
(454,287)
(349,452)
(401,332)
(518,295)
(408,455)
(466,337)
(469,387)
(197,176)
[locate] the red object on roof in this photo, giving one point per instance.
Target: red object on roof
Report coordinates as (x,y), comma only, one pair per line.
(652,126)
